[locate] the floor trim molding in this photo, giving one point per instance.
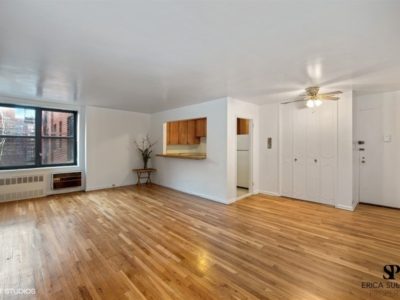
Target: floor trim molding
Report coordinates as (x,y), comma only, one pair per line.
(269,193)
(207,197)
(347,207)
(105,187)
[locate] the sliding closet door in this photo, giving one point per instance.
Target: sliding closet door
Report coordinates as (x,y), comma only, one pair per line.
(328,152)
(286,169)
(299,151)
(313,155)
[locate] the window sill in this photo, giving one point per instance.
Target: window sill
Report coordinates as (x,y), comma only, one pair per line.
(47,168)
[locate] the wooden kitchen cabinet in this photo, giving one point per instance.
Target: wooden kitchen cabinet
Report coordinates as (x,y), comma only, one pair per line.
(173,133)
(183,133)
(186,132)
(192,139)
(201,127)
(243,126)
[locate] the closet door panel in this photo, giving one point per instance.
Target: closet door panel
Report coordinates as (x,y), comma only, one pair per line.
(313,154)
(328,129)
(327,183)
(299,152)
(328,152)
(286,176)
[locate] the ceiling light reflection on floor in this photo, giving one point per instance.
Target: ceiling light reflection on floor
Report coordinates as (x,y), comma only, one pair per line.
(203,261)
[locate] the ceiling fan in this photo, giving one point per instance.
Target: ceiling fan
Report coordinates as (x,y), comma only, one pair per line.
(313,98)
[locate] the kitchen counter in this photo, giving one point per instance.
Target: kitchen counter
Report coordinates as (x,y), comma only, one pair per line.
(196,156)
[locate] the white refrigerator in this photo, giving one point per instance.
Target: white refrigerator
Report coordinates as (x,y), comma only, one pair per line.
(243,160)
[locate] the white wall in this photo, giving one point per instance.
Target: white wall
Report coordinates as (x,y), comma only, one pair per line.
(47,172)
(389,104)
(205,178)
(344,189)
(269,158)
(240,109)
(111,153)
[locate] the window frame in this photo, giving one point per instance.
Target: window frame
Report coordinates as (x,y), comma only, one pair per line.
(38,137)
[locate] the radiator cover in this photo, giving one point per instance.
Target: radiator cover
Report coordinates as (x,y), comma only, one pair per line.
(22,187)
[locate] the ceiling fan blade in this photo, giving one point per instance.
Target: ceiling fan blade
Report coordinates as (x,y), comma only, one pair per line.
(292,101)
(327,97)
(332,93)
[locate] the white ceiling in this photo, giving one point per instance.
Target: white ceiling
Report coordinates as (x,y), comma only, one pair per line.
(153,55)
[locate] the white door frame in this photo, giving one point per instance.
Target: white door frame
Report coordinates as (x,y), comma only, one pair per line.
(280,134)
(251,154)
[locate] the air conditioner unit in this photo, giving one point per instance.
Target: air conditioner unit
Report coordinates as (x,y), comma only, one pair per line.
(66,180)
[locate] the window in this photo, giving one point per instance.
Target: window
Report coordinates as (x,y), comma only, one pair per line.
(36,137)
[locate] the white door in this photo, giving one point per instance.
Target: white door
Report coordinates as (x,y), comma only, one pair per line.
(299,152)
(328,152)
(371,155)
(313,153)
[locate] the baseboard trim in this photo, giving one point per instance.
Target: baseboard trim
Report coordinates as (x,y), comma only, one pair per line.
(98,188)
(232,200)
(204,196)
(239,198)
(269,193)
(65,191)
(347,207)
(379,205)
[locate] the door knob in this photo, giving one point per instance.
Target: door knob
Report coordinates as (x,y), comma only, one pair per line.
(315,160)
(295,159)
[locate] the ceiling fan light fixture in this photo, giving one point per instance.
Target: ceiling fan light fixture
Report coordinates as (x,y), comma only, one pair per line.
(313,103)
(317,102)
(310,103)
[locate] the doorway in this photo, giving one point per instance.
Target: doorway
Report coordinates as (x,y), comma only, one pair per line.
(377,159)
(243,157)
(370,155)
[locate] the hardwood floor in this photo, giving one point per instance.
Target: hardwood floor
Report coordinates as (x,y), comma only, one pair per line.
(154,243)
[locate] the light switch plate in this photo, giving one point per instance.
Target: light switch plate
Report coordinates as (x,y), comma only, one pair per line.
(387,138)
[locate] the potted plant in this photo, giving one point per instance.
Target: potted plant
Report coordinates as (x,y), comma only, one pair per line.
(145,149)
